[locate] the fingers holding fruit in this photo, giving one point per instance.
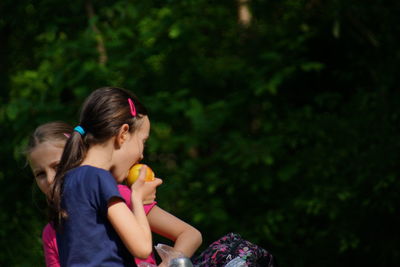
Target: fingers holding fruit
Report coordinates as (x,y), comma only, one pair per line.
(147,190)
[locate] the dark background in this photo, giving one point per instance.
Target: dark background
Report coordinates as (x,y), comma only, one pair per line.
(284,129)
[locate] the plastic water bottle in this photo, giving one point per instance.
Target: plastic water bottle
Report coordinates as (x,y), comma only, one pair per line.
(180,262)
(236,262)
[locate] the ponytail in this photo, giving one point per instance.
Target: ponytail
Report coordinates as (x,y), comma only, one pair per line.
(73,155)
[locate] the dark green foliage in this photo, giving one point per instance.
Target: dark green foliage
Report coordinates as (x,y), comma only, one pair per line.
(285,132)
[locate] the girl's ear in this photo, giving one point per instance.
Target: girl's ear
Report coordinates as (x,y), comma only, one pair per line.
(122,135)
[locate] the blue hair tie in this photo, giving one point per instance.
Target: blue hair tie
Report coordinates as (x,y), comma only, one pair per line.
(80,130)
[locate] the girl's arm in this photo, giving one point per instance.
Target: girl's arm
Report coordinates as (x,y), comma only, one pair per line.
(133,227)
(187,238)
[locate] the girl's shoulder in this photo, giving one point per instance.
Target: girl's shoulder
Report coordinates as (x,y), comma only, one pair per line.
(124,189)
(87,171)
(90,179)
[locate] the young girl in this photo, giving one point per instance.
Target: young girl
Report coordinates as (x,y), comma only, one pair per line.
(43,153)
(94,226)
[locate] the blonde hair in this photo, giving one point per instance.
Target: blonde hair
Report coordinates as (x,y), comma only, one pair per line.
(48,132)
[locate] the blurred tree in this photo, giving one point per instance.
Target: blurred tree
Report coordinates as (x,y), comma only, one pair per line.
(284,131)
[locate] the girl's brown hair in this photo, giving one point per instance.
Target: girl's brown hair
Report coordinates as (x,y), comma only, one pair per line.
(49,132)
(103,113)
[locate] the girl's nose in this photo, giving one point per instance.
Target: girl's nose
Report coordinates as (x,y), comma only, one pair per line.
(48,180)
(50,177)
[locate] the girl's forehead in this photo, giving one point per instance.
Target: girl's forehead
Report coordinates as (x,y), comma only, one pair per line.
(51,144)
(144,126)
(45,153)
(47,146)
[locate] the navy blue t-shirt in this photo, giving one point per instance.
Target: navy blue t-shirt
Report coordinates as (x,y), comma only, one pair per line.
(87,238)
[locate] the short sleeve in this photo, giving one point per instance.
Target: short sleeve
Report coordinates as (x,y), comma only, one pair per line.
(148,207)
(103,188)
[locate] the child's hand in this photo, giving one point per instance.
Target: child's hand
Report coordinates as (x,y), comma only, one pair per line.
(151,197)
(146,191)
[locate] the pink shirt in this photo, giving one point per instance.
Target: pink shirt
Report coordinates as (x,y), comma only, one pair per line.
(50,242)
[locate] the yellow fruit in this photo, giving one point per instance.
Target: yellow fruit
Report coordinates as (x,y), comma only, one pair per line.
(134,174)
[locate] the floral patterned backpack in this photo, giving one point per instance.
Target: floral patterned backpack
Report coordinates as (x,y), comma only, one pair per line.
(233,250)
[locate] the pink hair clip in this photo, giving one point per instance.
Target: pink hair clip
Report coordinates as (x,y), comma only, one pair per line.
(132,107)
(66,135)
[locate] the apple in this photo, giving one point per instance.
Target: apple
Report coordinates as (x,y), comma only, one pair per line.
(134,174)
